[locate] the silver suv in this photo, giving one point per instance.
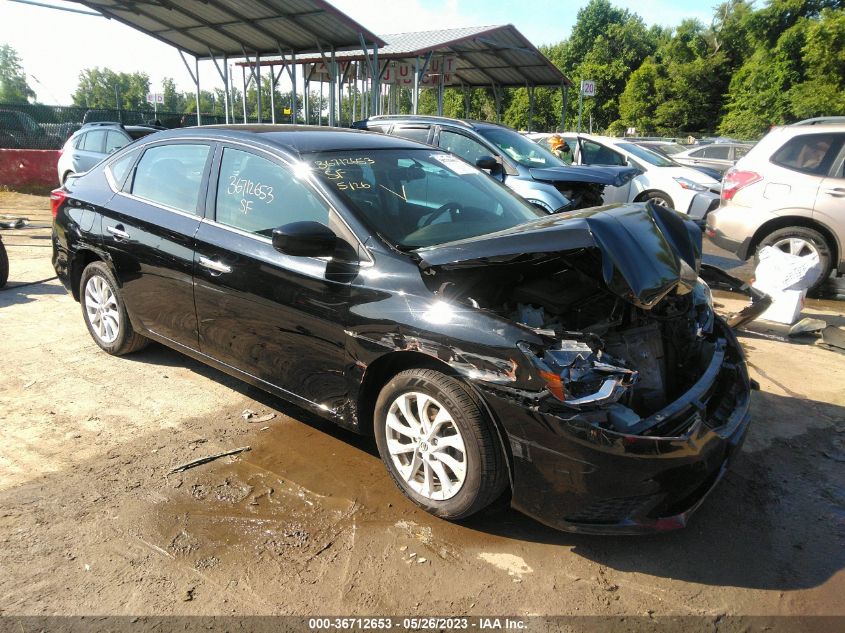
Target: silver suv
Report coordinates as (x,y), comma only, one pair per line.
(787,192)
(93,142)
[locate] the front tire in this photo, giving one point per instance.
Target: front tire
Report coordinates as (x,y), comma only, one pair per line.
(801,241)
(105,313)
(660,199)
(438,445)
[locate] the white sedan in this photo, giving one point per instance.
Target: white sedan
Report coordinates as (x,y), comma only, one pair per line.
(663,181)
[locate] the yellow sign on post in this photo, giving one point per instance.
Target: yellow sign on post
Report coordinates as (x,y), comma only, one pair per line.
(286,111)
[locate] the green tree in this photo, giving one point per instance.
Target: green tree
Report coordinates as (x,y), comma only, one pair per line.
(104,88)
(13,85)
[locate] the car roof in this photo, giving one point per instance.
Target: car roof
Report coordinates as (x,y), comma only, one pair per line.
(300,138)
(425,118)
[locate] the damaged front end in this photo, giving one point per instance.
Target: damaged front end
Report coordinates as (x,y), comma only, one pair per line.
(633,392)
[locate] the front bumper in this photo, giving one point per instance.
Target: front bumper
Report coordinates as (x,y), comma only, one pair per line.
(576,476)
(702,204)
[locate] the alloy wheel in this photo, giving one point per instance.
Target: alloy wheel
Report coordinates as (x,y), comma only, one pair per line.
(102,310)
(797,246)
(426,446)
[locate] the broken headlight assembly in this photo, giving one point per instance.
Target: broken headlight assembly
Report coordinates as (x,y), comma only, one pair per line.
(577,375)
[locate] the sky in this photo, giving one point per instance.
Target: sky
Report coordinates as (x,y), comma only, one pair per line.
(56,45)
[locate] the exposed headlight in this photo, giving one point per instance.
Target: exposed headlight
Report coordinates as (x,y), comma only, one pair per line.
(686,183)
(702,300)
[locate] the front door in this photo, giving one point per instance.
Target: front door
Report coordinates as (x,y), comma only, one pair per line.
(276,317)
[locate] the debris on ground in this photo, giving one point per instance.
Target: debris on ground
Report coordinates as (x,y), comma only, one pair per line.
(208,458)
(9,222)
(807,325)
(189,594)
(833,338)
(786,279)
(251,416)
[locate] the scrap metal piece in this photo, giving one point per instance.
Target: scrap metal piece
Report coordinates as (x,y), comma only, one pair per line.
(718,278)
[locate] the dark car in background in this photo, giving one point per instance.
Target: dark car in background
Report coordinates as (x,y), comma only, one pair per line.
(572,362)
(18,130)
(670,149)
(93,142)
(530,170)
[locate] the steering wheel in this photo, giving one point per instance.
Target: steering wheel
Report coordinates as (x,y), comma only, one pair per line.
(450,206)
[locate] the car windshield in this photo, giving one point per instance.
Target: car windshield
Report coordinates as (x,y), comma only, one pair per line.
(416,198)
(523,150)
(652,158)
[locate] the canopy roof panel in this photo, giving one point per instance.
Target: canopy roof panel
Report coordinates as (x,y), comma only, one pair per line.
(237,28)
(485,55)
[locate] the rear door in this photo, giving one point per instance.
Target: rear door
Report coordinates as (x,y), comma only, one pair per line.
(149,232)
(90,150)
(275,317)
(830,199)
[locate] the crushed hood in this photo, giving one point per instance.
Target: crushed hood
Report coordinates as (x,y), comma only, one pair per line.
(646,250)
(612,176)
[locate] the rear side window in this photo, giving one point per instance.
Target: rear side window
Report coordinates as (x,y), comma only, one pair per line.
(419,134)
(257,195)
(171,175)
(739,152)
(119,169)
(719,152)
(114,141)
(809,153)
(93,142)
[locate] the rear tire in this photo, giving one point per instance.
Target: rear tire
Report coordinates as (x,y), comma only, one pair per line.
(4,265)
(801,241)
(105,313)
(451,464)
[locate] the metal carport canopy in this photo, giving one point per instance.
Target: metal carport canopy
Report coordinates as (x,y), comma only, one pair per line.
(486,55)
(235,28)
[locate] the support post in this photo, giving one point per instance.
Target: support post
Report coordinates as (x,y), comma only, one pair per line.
(306,93)
(580,107)
(273,92)
(243,94)
(195,75)
(564,106)
(224,75)
(465,89)
(530,108)
(257,75)
(497,97)
(441,83)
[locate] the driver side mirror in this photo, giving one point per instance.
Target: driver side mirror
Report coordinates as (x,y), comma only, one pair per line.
(305,239)
(488,162)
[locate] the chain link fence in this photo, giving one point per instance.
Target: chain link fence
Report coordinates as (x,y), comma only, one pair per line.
(36,126)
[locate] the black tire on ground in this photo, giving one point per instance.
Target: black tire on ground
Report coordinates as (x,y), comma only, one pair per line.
(808,235)
(127,340)
(659,198)
(4,265)
(486,469)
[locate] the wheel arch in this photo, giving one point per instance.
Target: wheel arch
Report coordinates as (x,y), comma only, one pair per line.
(379,373)
(81,259)
(783,222)
(642,195)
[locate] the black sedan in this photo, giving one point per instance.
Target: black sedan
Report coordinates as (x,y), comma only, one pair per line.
(572,362)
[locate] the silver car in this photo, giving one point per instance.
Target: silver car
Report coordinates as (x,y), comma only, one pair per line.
(718,156)
(93,142)
(788,192)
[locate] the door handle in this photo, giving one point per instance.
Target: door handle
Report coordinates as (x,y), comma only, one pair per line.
(837,192)
(214,265)
(118,232)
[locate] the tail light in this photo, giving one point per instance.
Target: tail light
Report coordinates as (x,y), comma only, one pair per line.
(735,180)
(57,198)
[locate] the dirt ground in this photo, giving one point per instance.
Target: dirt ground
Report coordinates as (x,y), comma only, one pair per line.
(308,520)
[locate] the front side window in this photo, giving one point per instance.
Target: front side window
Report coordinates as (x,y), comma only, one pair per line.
(93,142)
(809,153)
(595,154)
(417,198)
(257,195)
(171,175)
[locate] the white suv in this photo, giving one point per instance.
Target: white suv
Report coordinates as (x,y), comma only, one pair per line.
(787,192)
